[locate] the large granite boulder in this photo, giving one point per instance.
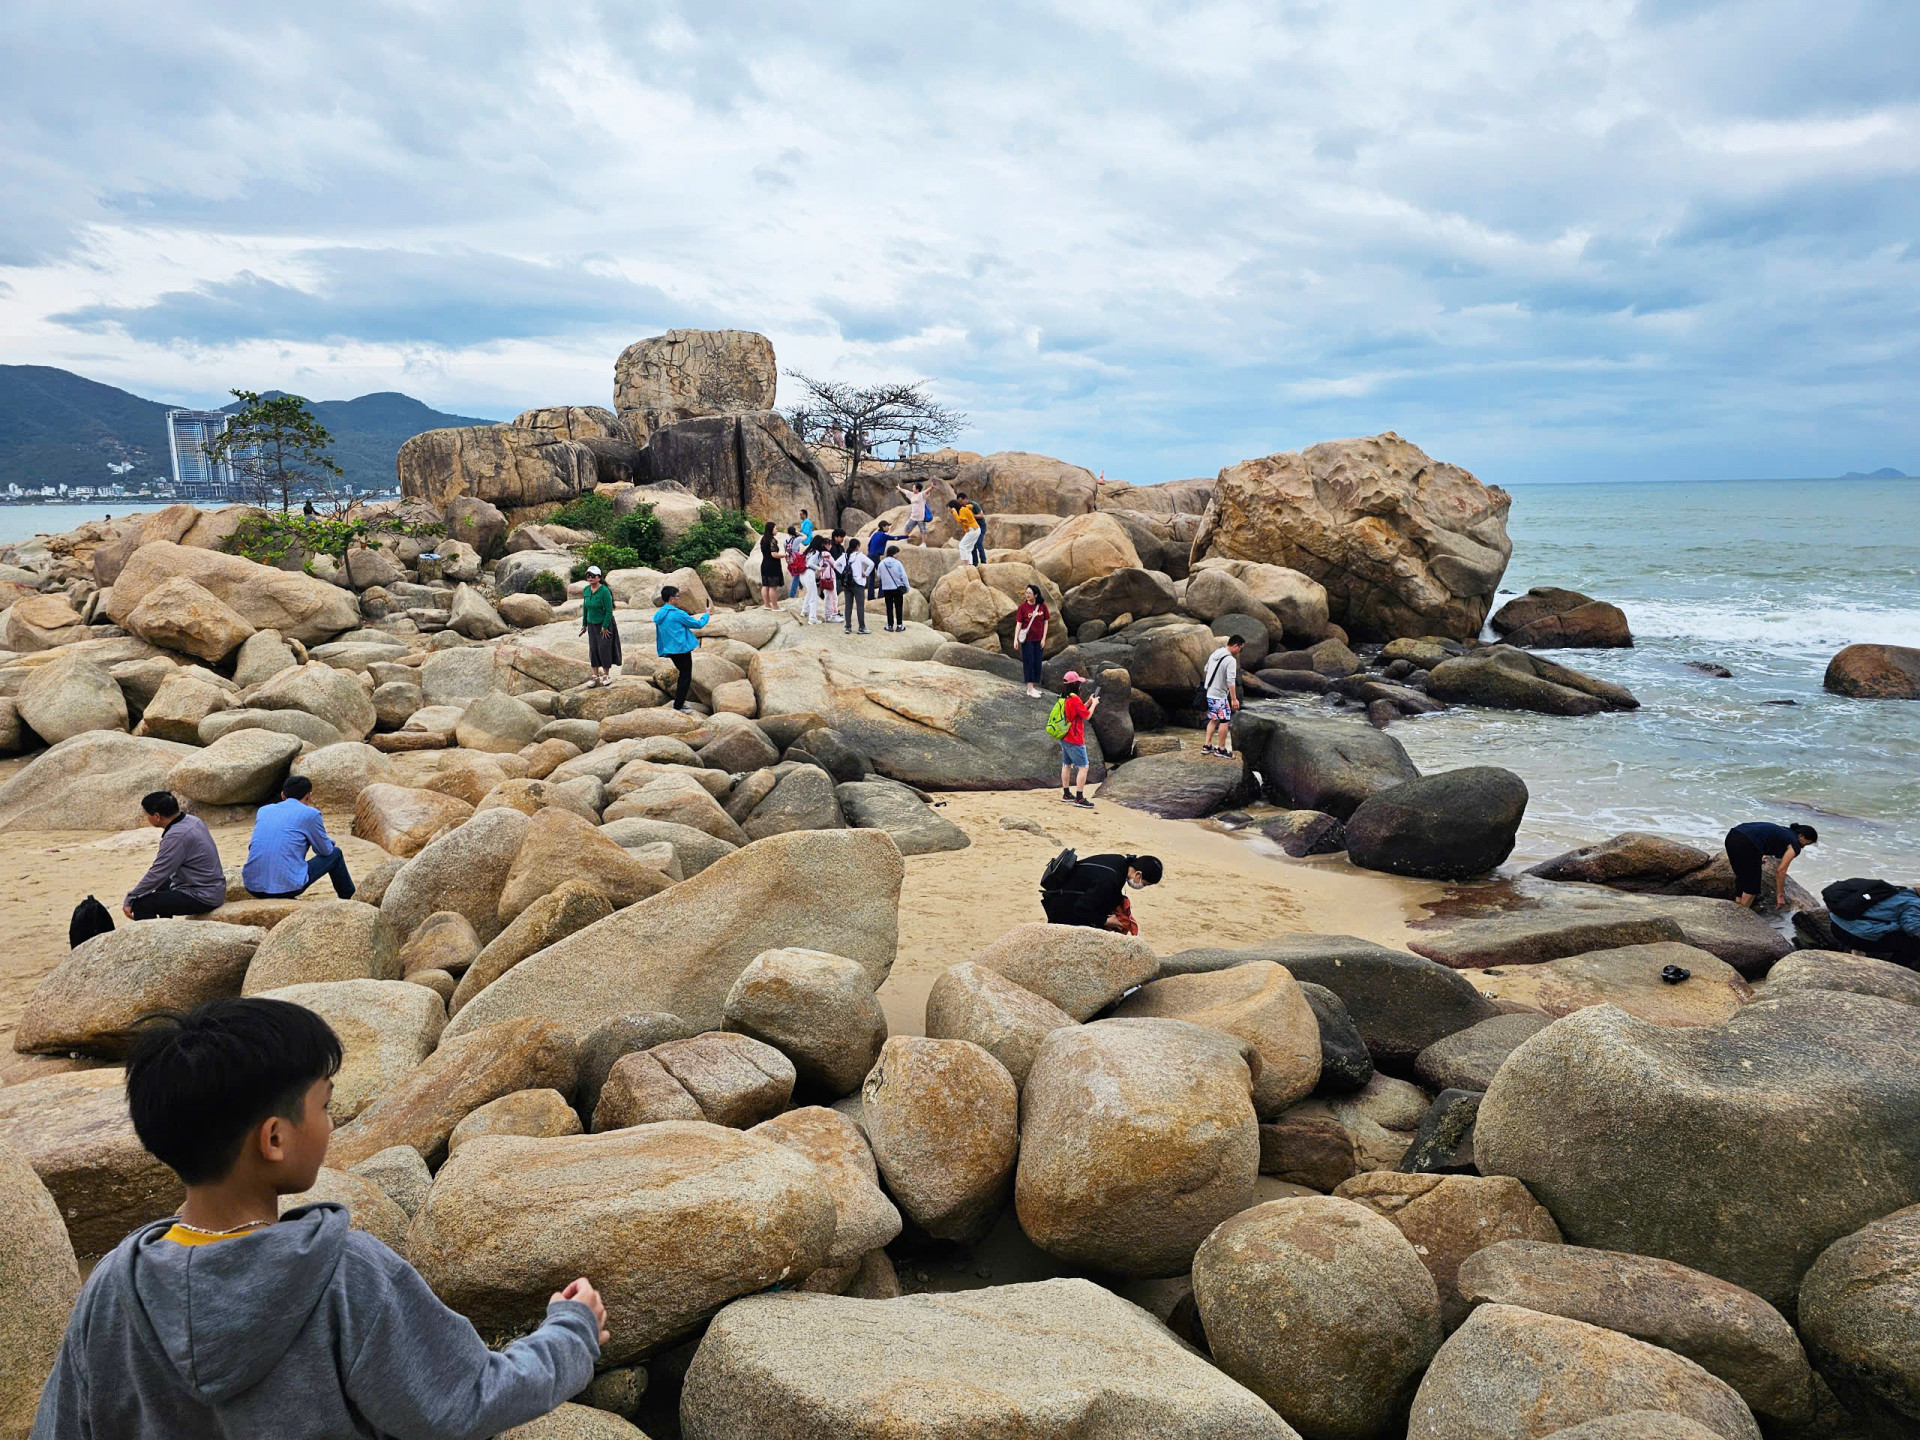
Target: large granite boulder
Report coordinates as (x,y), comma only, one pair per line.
(864,1218)
(1322,1309)
(750,461)
(1008,1021)
(298,606)
(1632,977)
(1404,545)
(1457,825)
(1259,1003)
(1858,1305)
(1084,548)
(463,871)
(1139,593)
(38,1284)
(930,725)
(671,1220)
(686,374)
(70,695)
(1137,1137)
(895,808)
(92,781)
(1503,678)
(1550,618)
(1049,1360)
(335,696)
(506,466)
(401,819)
(1078,968)
(1319,763)
(1300,604)
(1659,1141)
(681,951)
(246,767)
(1400,1003)
(1725,1330)
(386,1028)
(73,1129)
(819,1010)
(1513,1374)
(93,997)
(178,614)
(1875,672)
(943,1117)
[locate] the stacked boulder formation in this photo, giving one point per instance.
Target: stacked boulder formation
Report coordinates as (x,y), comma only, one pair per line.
(611,1006)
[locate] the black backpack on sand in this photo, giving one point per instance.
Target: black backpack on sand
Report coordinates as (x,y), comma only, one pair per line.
(90,918)
(1851,899)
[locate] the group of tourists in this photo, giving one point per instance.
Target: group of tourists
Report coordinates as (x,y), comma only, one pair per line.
(833,575)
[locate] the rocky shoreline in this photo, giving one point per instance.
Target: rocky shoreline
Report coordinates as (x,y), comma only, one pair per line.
(1504,1180)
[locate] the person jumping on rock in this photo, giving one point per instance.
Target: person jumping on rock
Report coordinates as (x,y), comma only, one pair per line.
(1750,844)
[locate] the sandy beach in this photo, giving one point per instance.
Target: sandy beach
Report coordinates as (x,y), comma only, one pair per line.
(1220,888)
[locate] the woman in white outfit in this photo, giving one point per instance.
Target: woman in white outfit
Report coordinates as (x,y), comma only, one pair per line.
(810,587)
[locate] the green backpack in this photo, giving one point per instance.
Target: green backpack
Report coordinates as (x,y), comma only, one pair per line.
(1057,721)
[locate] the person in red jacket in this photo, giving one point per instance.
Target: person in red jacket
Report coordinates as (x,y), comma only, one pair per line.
(1073,745)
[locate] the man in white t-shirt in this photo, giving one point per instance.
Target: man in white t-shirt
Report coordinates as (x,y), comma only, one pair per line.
(1221,683)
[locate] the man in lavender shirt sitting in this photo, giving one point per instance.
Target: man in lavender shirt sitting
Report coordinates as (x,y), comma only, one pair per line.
(185,877)
(278,867)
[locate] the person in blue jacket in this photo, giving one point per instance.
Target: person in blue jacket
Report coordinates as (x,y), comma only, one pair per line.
(876,552)
(674,638)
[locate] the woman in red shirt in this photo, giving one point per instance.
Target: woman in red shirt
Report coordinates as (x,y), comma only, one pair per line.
(1073,745)
(1030,633)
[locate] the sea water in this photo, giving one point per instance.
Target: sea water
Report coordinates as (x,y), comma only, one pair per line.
(23,522)
(1766,578)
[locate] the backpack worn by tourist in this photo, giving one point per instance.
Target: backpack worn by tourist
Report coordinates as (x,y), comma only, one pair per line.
(1057,721)
(1058,869)
(1851,899)
(90,918)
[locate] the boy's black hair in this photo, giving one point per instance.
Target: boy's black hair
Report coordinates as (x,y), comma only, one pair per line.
(1148,866)
(298,787)
(1233,640)
(893,549)
(1806,833)
(199,1082)
(160,802)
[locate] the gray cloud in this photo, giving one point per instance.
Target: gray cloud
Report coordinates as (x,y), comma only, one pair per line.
(1547,242)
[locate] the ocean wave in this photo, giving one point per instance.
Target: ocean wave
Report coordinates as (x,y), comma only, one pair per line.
(1796,629)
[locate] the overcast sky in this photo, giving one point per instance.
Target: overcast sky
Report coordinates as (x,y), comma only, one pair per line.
(1583,239)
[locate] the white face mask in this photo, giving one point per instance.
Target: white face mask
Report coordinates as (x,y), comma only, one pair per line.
(1134,882)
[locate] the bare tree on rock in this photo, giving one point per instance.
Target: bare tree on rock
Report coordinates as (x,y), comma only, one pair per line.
(275,445)
(899,414)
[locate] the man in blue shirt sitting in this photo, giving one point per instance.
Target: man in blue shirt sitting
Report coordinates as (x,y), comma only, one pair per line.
(277,866)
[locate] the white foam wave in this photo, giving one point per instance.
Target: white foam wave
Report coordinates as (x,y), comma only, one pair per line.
(1815,627)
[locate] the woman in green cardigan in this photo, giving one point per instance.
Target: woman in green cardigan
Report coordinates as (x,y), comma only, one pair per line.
(596,621)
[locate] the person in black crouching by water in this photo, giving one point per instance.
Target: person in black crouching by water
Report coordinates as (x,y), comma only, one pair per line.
(1093,891)
(1751,844)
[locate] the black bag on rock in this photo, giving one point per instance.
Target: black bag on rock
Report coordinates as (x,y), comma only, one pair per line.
(1850,899)
(90,918)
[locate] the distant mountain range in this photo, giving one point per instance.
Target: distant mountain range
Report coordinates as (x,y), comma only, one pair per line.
(1885,472)
(58,428)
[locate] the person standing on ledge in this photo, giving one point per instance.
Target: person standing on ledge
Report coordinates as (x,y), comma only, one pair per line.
(1221,691)
(277,865)
(1750,844)
(892,576)
(1075,712)
(596,622)
(1030,633)
(770,568)
(186,877)
(674,638)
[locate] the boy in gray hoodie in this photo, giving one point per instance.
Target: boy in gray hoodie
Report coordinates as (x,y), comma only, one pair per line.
(230,1320)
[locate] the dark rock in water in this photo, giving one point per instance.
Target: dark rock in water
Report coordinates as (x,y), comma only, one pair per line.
(1309,763)
(1181,786)
(1398,669)
(1306,832)
(1252,687)
(1779,702)
(1403,698)
(1530,921)
(1382,713)
(1470,1058)
(828,748)
(1311,1150)
(1444,1141)
(1399,1003)
(1345,1065)
(1875,672)
(1632,860)
(1503,678)
(1145,712)
(1301,681)
(1708,667)
(1546,617)
(1742,1149)
(1453,826)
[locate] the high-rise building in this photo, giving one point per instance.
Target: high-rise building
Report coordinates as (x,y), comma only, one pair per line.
(195,474)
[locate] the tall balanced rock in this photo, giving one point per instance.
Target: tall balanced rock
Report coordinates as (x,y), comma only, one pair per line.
(687,374)
(504,465)
(1404,545)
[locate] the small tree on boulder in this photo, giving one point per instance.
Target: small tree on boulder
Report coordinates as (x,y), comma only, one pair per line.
(902,415)
(274,444)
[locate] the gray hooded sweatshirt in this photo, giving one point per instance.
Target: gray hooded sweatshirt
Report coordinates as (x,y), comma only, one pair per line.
(298,1331)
